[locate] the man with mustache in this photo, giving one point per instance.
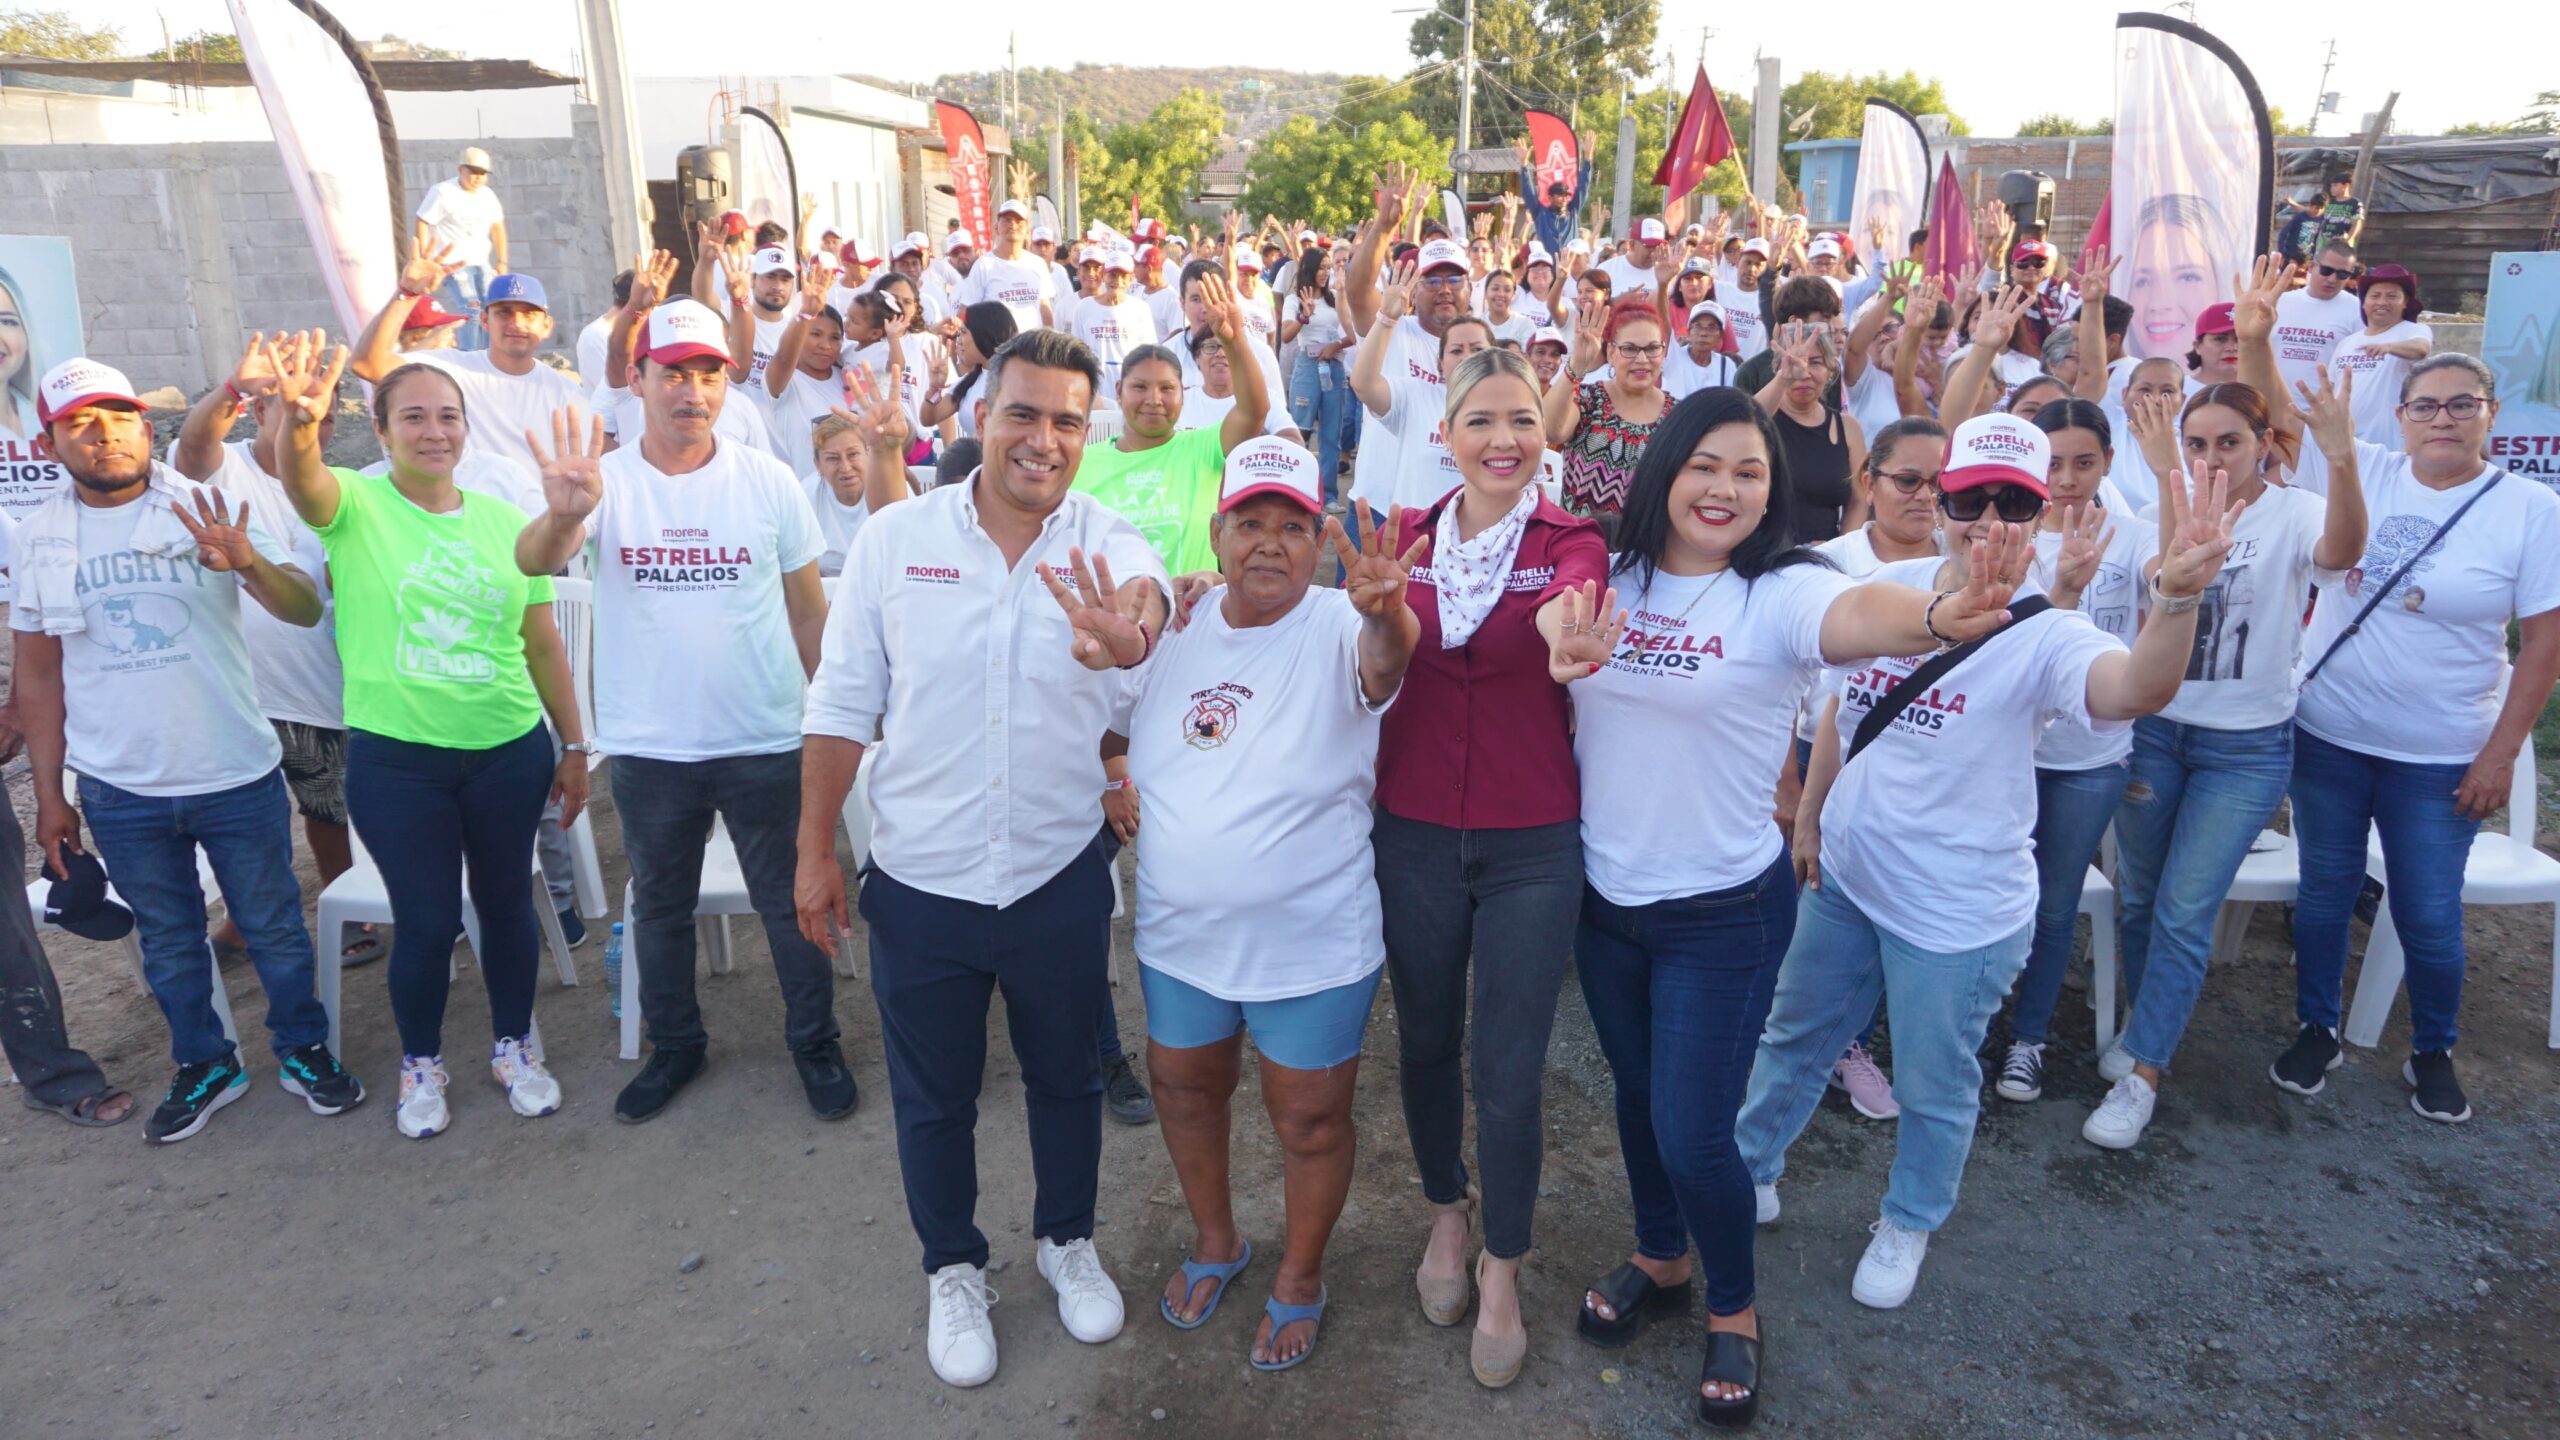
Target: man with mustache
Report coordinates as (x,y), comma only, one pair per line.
(708,609)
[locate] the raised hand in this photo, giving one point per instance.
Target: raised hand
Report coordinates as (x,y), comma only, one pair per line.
(572,470)
(2329,412)
(2196,516)
(1104,637)
(2253,304)
(1397,302)
(2093,290)
(1024,182)
(1374,571)
(305,373)
(2152,420)
(221,535)
(1592,625)
(1998,318)
(1997,562)
(1920,306)
(1395,192)
(872,403)
(815,281)
(1482,226)
(1226,317)
(255,375)
(653,278)
(1992,227)
(741,285)
(427,269)
(2085,538)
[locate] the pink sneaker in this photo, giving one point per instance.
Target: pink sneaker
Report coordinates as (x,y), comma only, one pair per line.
(1870,1089)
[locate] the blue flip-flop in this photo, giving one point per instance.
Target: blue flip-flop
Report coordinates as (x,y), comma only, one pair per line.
(1284,1316)
(1195,1271)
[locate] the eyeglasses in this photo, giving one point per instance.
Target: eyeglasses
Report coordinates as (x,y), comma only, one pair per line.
(2334,273)
(1638,352)
(2032,262)
(1444,282)
(1909,482)
(2013,504)
(2460,407)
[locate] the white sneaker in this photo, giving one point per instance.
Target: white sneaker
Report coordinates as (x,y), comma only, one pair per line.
(530,1089)
(1088,1303)
(422,1111)
(1767,1195)
(2113,1063)
(959,1339)
(2120,1118)
(1890,1267)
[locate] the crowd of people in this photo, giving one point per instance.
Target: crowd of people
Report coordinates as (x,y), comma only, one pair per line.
(1372,587)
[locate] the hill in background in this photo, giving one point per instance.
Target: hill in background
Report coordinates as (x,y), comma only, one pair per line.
(1257,101)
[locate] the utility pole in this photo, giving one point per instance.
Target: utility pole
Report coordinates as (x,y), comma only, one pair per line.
(1012,83)
(1765,121)
(1623,198)
(1467,91)
(2320,100)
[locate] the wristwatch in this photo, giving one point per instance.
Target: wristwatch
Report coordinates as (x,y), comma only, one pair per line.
(2163,603)
(580,747)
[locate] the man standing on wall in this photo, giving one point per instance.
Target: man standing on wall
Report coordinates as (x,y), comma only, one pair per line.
(463,214)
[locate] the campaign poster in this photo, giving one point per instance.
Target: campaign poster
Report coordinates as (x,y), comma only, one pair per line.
(2521,342)
(2193,164)
(39,329)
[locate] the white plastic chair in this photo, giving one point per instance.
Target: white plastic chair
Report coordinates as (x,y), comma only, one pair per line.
(1102,427)
(573,609)
(2098,902)
(132,941)
(2271,874)
(723,894)
(2504,869)
(360,897)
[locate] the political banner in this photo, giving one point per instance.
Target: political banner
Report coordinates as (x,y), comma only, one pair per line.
(1555,156)
(2521,342)
(2194,167)
(1698,143)
(39,329)
(340,156)
(972,177)
(768,181)
(1951,254)
(1892,193)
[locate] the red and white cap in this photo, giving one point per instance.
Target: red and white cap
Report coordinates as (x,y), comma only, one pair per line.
(1147,255)
(854,252)
(1997,449)
(1269,465)
(1547,335)
(1706,308)
(1043,235)
(79,382)
(1822,245)
(958,240)
(1756,245)
(682,330)
(1439,253)
(913,244)
(772,258)
(2031,250)
(1014,207)
(1651,229)
(1148,229)
(1119,258)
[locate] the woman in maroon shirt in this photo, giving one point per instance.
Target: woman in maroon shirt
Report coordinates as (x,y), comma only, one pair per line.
(1478,841)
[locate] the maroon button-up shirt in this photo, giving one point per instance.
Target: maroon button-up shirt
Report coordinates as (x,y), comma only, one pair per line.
(1478,739)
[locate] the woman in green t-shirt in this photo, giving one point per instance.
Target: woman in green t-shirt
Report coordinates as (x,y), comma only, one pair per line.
(451,662)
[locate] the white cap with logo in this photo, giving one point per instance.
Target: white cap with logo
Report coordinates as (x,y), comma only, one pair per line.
(772,258)
(1439,253)
(682,330)
(1269,465)
(81,381)
(1997,449)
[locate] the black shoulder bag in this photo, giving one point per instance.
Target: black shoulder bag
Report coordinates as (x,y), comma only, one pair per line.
(2401,574)
(1916,684)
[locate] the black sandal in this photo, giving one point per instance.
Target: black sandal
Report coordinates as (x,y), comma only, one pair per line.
(1636,1298)
(1733,1358)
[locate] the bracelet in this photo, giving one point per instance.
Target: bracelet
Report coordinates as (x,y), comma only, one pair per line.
(1929,621)
(2163,603)
(1110,785)
(579,747)
(237,399)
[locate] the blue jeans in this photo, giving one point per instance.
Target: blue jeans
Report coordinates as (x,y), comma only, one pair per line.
(2338,794)
(149,845)
(1941,1006)
(2177,852)
(2072,811)
(1678,990)
(1318,393)
(463,293)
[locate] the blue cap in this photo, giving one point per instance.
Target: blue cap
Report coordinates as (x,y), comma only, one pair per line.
(515,289)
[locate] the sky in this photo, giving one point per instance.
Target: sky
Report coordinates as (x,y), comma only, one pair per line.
(1996,72)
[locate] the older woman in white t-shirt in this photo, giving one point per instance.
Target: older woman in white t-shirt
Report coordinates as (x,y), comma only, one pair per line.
(1939,917)
(2376,360)
(2402,727)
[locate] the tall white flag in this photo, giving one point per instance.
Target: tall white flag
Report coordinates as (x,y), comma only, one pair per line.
(334,141)
(2194,175)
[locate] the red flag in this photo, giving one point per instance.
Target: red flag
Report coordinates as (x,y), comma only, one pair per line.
(2101,234)
(1701,141)
(1553,153)
(970,174)
(1951,255)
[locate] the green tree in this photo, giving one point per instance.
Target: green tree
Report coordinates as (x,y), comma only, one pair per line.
(1324,173)
(2282,126)
(1656,111)
(1158,159)
(1551,54)
(55,35)
(1839,106)
(2054,123)
(208,47)
(2542,118)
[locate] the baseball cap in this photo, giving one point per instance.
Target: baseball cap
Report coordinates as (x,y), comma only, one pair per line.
(1014,207)
(1650,230)
(1824,246)
(1706,307)
(81,381)
(827,260)
(854,252)
(1439,253)
(2216,320)
(1307,237)
(1756,246)
(1270,465)
(958,240)
(427,315)
(1577,246)
(475,158)
(1043,235)
(733,222)
(78,901)
(1538,255)
(1547,335)
(1997,449)
(1119,258)
(1148,230)
(1696,265)
(1147,255)
(682,330)
(515,288)
(1695,231)
(913,244)
(772,258)
(2031,250)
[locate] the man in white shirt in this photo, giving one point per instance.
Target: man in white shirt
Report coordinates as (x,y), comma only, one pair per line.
(1163,296)
(1112,320)
(1010,275)
(463,215)
(771,291)
(1062,281)
(959,257)
(506,389)
(1441,293)
(2312,320)
(987,699)
(1631,271)
(707,617)
(132,673)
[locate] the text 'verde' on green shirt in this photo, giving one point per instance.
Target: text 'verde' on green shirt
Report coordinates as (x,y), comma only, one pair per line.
(1169,493)
(431,616)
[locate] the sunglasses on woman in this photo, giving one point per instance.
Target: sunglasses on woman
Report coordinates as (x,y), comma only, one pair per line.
(2015,505)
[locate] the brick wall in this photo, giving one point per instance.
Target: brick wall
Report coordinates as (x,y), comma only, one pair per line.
(182,250)
(2079,169)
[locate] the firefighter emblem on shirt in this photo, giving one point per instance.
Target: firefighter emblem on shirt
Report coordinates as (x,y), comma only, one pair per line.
(1211,721)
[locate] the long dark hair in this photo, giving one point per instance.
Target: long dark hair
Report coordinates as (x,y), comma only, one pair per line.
(1311,260)
(1644,526)
(990,325)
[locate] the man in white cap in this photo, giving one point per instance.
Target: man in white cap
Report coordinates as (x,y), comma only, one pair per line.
(1062,280)
(1441,291)
(1113,320)
(856,264)
(1630,271)
(463,215)
(1699,365)
(506,388)
(910,257)
(1010,275)
(959,257)
(772,286)
(708,550)
(1743,318)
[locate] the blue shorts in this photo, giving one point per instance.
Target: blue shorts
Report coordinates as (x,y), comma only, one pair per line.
(1307,1032)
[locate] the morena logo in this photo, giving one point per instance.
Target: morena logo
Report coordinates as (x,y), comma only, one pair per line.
(935,574)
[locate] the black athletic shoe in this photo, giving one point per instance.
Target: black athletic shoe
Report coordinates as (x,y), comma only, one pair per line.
(829,1084)
(198,1091)
(2439,1096)
(2304,1068)
(668,1069)
(572,928)
(1124,1095)
(314,1074)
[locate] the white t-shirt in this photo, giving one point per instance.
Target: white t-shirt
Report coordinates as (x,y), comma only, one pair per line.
(2307,330)
(942,281)
(768,339)
(502,407)
(1514,328)
(804,402)
(914,380)
(1424,469)
(838,522)
(1855,553)
(1870,400)
(158,694)
(694,655)
(1627,278)
(1742,319)
(594,343)
(1200,410)
(2249,632)
(1532,306)
(626,418)
(295,666)
(1255,755)
(2378,377)
(1261,314)
(1706,658)
(1113,331)
(2420,681)
(2111,601)
(1413,353)
(2009,369)
(462,219)
(1019,285)
(1683,377)
(1318,330)
(1929,831)
(1166,306)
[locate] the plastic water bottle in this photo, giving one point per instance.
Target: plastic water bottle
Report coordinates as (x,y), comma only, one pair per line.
(613,969)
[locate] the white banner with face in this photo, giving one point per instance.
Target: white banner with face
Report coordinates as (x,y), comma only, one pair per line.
(1893,178)
(764,177)
(324,123)
(2190,178)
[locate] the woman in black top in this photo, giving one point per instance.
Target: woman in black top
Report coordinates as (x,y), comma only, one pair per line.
(1824,447)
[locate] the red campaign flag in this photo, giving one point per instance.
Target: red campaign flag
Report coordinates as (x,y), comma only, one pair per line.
(1951,255)
(1554,155)
(2101,234)
(1700,143)
(970,174)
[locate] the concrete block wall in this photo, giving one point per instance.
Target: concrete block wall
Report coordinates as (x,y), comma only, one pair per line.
(2079,169)
(182,251)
